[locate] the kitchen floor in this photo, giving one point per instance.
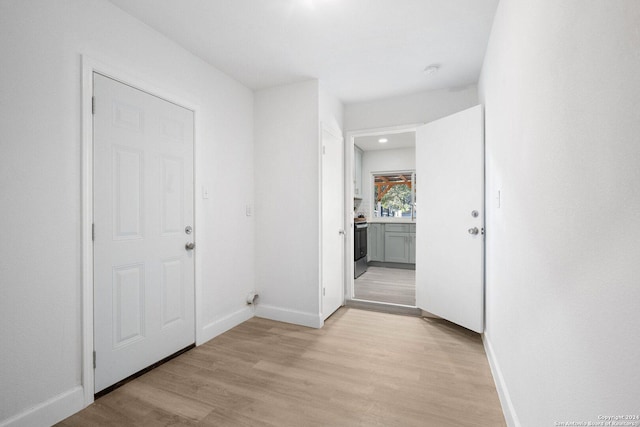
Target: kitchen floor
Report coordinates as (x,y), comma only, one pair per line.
(390,285)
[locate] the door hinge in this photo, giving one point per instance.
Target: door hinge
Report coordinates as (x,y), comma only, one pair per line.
(93,105)
(324,149)
(324,292)
(93,232)
(94,359)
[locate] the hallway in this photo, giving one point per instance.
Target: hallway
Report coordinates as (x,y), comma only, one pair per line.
(362,368)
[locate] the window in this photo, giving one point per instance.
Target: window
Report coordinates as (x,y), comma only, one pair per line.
(394,195)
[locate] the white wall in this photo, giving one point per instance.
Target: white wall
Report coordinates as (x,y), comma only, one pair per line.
(287,182)
(287,202)
(331,109)
(561,88)
(422,107)
(40,182)
(401,159)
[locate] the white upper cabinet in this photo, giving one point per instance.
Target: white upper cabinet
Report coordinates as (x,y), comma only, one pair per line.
(357,173)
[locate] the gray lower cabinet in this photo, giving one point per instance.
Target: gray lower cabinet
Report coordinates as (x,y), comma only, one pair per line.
(396,247)
(412,248)
(400,243)
(375,242)
(412,242)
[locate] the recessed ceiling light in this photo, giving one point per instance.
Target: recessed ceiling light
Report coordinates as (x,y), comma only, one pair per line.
(432,69)
(383,140)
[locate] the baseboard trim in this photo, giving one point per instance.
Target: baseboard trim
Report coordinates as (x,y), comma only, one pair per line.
(50,411)
(222,325)
(508,410)
(289,316)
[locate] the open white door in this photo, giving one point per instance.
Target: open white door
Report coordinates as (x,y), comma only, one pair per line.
(332,221)
(143,218)
(450,205)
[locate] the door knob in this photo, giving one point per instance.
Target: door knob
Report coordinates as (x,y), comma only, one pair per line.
(474,231)
(189,246)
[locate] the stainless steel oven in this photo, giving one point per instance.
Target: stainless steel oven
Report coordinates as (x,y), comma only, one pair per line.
(360,248)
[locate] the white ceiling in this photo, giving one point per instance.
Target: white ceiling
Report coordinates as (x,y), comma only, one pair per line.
(395,140)
(360,49)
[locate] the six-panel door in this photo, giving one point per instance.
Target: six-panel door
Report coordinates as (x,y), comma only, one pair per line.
(143,202)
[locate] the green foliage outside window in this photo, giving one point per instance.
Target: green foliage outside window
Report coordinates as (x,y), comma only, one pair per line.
(397,197)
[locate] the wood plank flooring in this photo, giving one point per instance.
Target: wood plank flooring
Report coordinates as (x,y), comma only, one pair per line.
(362,369)
(390,285)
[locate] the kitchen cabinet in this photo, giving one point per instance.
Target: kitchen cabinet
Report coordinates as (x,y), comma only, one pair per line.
(357,173)
(400,243)
(396,247)
(412,248)
(375,242)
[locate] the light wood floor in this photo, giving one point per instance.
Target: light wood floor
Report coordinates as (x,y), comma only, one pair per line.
(391,285)
(362,369)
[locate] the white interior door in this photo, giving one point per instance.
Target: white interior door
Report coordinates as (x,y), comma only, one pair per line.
(450,201)
(143,202)
(332,222)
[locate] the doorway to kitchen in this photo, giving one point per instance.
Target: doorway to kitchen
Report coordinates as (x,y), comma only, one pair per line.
(448,155)
(384,218)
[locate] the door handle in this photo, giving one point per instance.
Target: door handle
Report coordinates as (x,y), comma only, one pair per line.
(190,246)
(341,232)
(474,231)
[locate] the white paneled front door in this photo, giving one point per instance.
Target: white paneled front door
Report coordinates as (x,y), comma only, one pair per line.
(143,219)
(450,202)
(332,222)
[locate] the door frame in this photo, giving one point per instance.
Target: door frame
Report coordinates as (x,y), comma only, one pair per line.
(348,195)
(169,92)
